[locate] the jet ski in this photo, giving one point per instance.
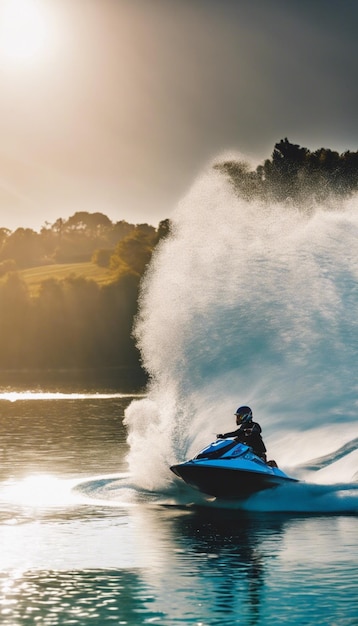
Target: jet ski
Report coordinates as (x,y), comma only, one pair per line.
(229,470)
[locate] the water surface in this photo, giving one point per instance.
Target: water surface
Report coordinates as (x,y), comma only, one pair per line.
(81,544)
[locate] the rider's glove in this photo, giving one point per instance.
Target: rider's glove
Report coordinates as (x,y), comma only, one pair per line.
(220,436)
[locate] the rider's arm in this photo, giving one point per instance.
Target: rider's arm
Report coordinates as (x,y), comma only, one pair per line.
(234,433)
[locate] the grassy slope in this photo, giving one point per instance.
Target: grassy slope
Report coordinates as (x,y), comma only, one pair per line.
(36,275)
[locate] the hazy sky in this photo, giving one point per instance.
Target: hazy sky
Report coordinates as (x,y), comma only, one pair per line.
(117,105)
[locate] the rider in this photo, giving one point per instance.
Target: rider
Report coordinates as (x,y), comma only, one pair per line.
(249,432)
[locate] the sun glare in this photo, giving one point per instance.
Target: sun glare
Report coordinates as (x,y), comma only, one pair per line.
(39,491)
(26,30)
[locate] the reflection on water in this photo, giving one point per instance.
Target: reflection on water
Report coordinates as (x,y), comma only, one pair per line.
(74,597)
(14,396)
(227,555)
(153,564)
(81,545)
(227,567)
(64,437)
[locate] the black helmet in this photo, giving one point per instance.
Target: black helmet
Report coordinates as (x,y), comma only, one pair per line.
(244,414)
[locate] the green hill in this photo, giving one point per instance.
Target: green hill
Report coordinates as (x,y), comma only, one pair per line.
(34,276)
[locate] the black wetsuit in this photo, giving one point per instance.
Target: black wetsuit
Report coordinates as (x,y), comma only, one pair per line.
(250,434)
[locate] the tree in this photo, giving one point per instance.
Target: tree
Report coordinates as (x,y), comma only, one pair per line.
(4,234)
(163,229)
(15,322)
(93,222)
(102,257)
(67,323)
(25,246)
(295,173)
(134,252)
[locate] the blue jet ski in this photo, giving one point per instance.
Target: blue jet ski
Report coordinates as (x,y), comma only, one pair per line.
(229,470)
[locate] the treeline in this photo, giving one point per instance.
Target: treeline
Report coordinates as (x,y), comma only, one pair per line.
(75,322)
(295,174)
(71,323)
(82,237)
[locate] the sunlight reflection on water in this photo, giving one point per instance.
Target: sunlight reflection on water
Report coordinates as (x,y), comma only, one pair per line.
(13,396)
(39,491)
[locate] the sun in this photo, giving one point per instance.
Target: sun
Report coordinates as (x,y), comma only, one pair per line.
(25,31)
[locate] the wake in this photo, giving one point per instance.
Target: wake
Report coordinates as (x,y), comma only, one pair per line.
(333,457)
(304,496)
(307,498)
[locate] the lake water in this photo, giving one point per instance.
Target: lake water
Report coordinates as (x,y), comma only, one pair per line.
(81,544)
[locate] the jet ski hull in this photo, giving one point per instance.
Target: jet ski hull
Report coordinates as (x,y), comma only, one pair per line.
(224,482)
(228,469)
